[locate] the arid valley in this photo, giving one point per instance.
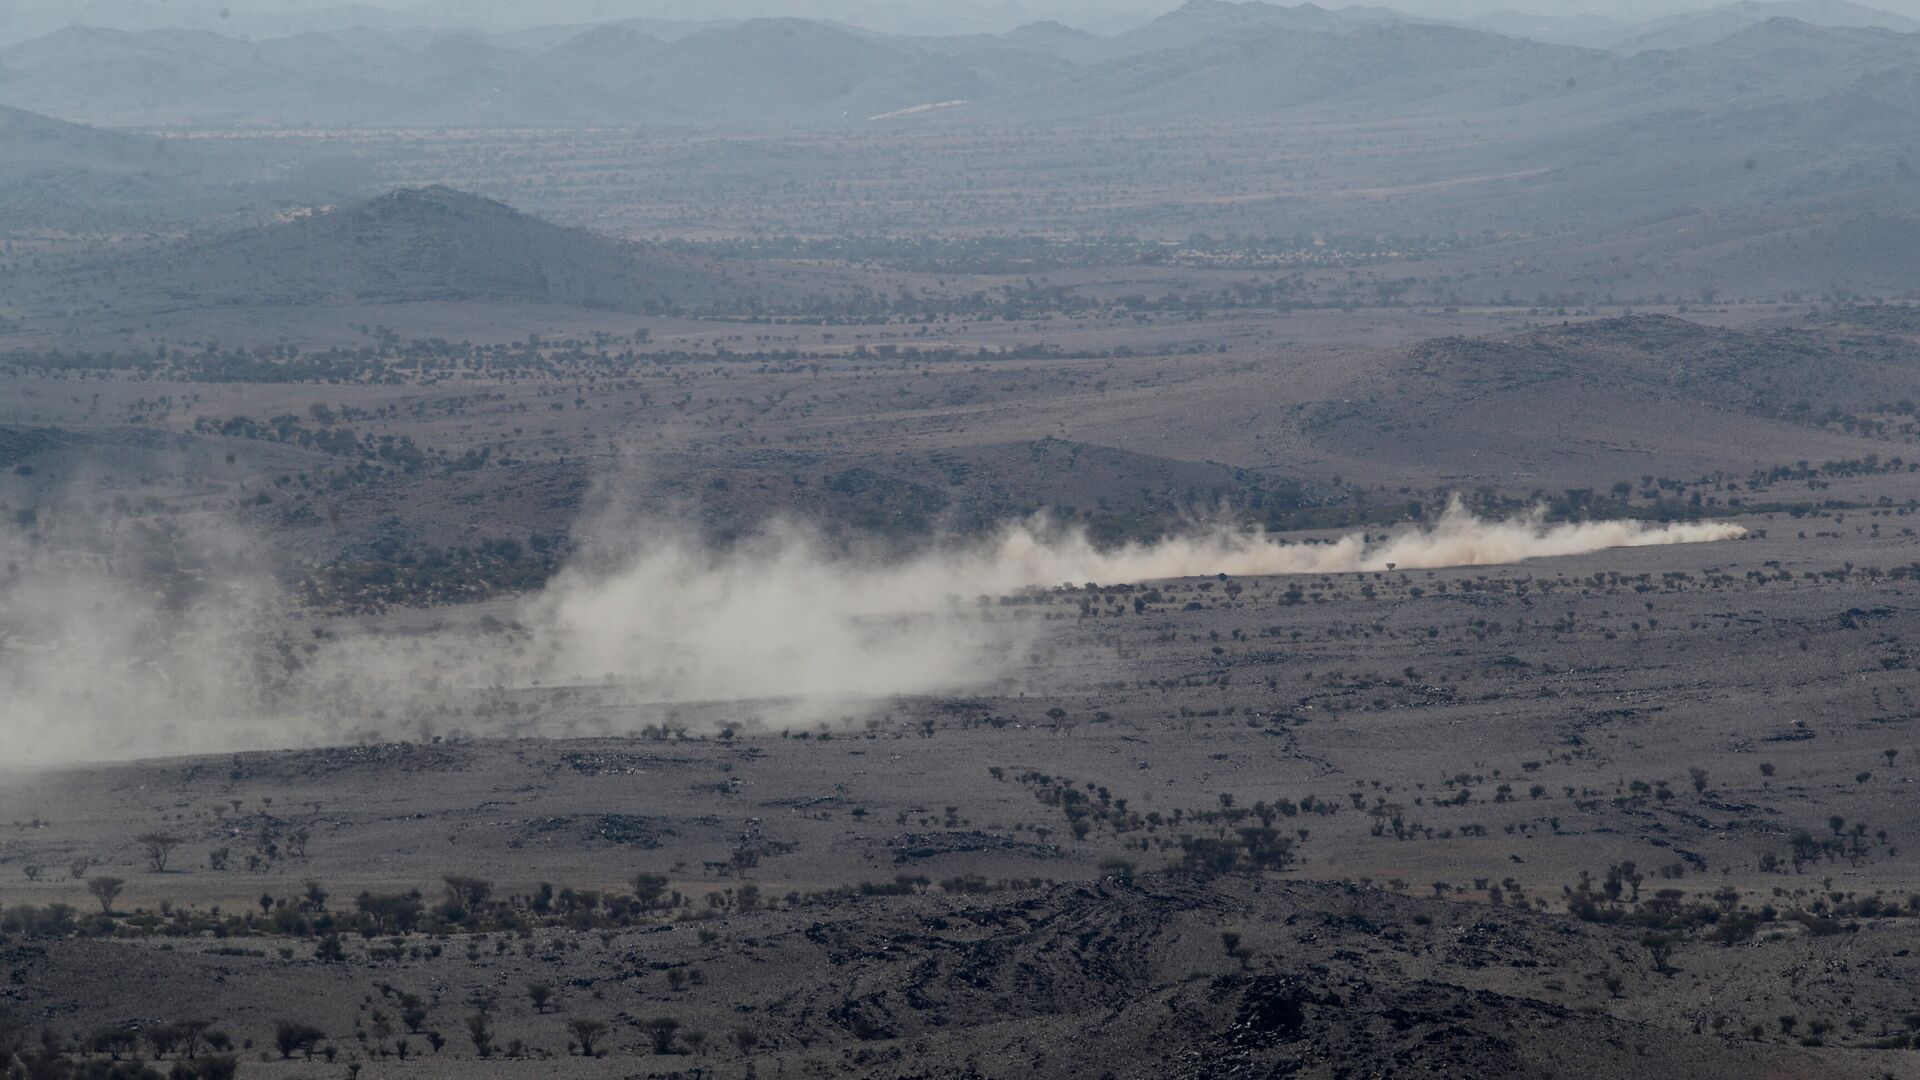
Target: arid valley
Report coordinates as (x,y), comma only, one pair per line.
(1253,546)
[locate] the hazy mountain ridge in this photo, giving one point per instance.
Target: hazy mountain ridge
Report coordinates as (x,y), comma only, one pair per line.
(1695,29)
(757,71)
(1273,69)
(1206,57)
(1200,21)
(1411,68)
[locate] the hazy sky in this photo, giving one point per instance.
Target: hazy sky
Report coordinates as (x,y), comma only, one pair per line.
(528,12)
(20,18)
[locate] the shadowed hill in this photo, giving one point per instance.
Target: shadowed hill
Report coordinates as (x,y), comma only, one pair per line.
(1615,399)
(29,137)
(59,175)
(415,244)
(66,177)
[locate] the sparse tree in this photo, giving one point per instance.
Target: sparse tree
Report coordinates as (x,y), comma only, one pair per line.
(467,892)
(1660,946)
(649,889)
(106,890)
(382,1029)
(539,994)
(159,847)
(162,1037)
(191,1033)
(586,1032)
(480,1030)
(662,1029)
(114,1041)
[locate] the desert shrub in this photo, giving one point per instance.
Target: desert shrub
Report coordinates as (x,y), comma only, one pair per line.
(586,1032)
(163,1038)
(662,1030)
(467,891)
(650,889)
(394,912)
(54,920)
(106,890)
(1246,850)
(113,1042)
(292,1037)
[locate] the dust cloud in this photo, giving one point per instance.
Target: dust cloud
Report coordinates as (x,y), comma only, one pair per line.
(1025,556)
(108,653)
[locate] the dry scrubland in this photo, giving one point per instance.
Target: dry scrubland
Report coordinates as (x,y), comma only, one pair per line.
(1638,809)
(450,712)
(1585,816)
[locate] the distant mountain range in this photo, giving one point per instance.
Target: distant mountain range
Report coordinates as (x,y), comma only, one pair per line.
(1205,59)
(24,19)
(1259,69)
(1714,25)
(764,71)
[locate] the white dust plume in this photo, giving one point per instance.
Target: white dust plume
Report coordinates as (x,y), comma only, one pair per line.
(101,660)
(1024,556)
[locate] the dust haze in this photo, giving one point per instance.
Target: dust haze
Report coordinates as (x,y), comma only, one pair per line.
(99,660)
